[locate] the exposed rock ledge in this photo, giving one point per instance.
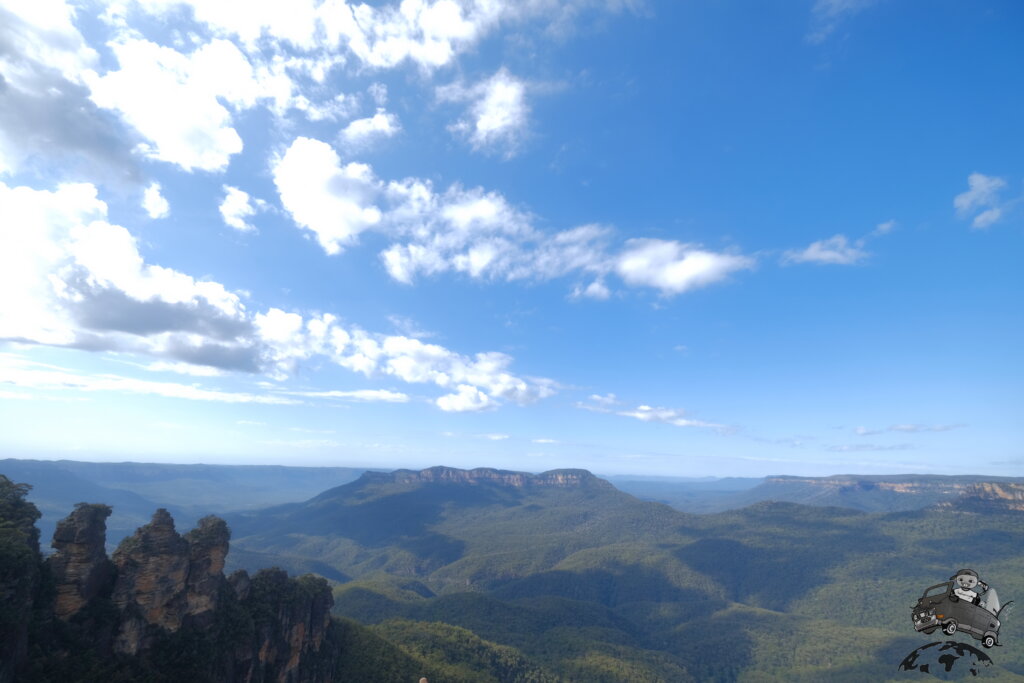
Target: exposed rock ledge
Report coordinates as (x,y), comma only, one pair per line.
(266,628)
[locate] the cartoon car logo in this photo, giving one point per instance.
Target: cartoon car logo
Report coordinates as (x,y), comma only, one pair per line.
(940,608)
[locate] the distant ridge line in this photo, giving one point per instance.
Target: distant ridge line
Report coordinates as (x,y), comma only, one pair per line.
(565,478)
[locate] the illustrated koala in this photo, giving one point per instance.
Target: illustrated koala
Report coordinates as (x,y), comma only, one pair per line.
(966,580)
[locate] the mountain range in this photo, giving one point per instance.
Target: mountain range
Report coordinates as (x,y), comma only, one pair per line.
(509,576)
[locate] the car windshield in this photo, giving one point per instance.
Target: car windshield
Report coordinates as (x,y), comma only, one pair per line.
(936,590)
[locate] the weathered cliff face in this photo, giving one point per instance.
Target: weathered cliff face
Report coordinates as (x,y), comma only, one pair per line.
(207,550)
(152,571)
(990,497)
(292,618)
(79,564)
(168,597)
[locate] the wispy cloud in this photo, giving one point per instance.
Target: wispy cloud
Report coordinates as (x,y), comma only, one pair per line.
(836,250)
(865,447)
(670,416)
(908,429)
(827,15)
(362,395)
(608,403)
(981,202)
(31,375)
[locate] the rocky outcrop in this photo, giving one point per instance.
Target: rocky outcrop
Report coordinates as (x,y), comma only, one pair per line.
(292,618)
(165,595)
(989,497)
(207,550)
(152,571)
(79,564)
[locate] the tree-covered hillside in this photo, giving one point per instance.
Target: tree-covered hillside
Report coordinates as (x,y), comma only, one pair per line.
(591,583)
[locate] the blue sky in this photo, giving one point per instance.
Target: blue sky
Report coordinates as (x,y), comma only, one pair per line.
(686,239)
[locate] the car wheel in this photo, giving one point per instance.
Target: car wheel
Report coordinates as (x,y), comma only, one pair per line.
(988,641)
(949,628)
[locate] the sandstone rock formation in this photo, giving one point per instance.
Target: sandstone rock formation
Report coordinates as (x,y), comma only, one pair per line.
(167,593)
(79,564)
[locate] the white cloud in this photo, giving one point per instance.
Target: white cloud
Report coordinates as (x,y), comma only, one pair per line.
(184,369)
(674,267)
(154,202)
(495,437)
(46,116)
(333,201)
(177,102)
(466,399)
(472,231)
(609,403)
(362,132)
(982,196)
(361,395)
(545,441)
(72,279)
(836,250)
(237,208)
(30,375)
(670,416)
(884,228)
(498,114)
(379,93)
(595,290)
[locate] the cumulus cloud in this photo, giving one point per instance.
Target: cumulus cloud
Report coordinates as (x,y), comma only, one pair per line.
(237,207)
(429,33)
(981,200)
(466,399)
(333,201)
(154,202)
(674,267)
(497,117)
(73,279)
(46,116)
(836,250)
(177,102)
(474,232)
(362,132)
